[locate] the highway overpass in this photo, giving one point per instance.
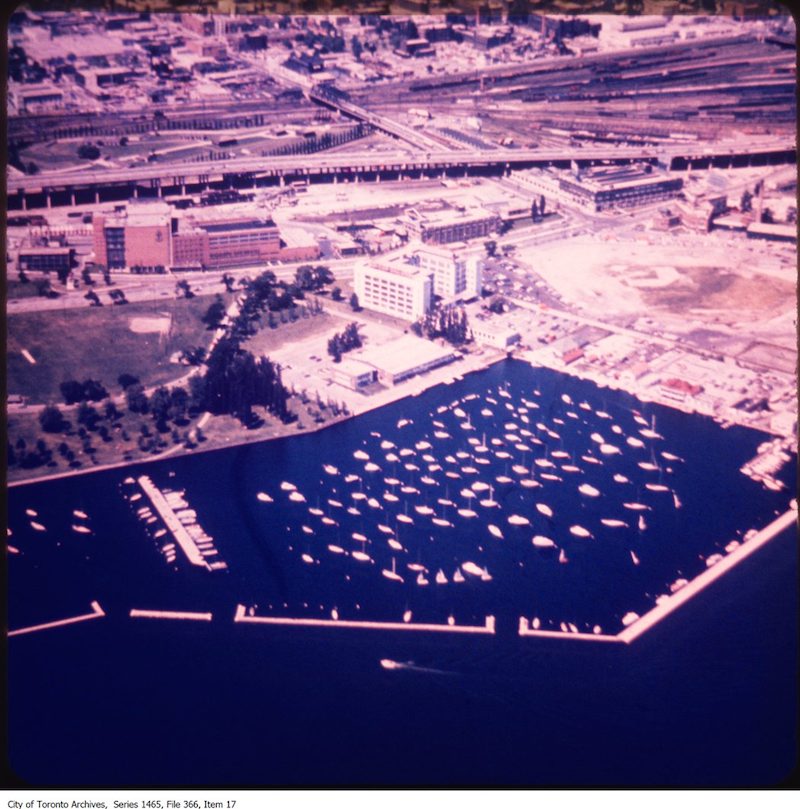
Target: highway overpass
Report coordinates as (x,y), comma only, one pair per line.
(177,179)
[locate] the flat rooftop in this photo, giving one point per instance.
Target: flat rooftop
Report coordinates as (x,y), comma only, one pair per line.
(403,354)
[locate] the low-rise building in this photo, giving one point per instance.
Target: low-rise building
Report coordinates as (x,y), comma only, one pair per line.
(353,373)
(496,335)
(405,357)
(46,259)
(451,225)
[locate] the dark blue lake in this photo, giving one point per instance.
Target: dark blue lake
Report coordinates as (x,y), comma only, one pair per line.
(403,514)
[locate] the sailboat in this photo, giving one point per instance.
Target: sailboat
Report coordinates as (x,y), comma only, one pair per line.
(392,574)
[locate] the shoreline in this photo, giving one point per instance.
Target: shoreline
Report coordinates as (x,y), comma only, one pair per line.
(423,383)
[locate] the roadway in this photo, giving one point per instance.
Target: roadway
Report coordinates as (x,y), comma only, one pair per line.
(366,162)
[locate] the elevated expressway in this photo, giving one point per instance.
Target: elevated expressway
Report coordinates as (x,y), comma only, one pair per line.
(95,185)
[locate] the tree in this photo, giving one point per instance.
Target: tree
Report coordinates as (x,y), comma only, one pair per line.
(86,276)
(136,398)
(534,211)
(94,390)
(93,298)
(490,247)
(183,288)
(23,277)
(112,413)
(117,297)
(746,202)
(123,141)
(357,47)
(107,276)
(43,288)
(87,151)
(159,403)
(51,420)
(541,205)
(72,391)
(336,294)
(214,314)
(178,404)
(354,303)
(126,380)
(228,281)
(63,273)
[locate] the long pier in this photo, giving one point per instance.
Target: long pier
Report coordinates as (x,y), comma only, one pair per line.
(486,629)
(97,612)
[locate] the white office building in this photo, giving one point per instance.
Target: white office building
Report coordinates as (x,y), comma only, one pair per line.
(455,277)
(394,287)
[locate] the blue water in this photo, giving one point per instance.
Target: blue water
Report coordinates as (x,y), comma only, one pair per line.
(705,698)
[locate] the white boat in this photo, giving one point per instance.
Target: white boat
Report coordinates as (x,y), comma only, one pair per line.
(602,414)
(442,522)
(392,574)
(634,442)
(519,469)
(656,487)
(361,556)
(579,531)
(441,578)
(441,434)
(371,467)
(329,521)
(81,529)
(421,580)
(591,459)
(569,467)
(562,557)
(37,526)
(634,558)
(405,518)
(307,558)
(424,510)
(610,449)
(335,503)
(540,541)
(495,531)
(676,500)
(81,515)
(31,512)
(636,506)
(297,497)
(467,512)
(559,453)
(620,478)
(543,508)
(503,479)
(529,483)
(385,444)
(336,549)
(647,466)
(331,470)
(358,495)
(545,463)
(288,487)
(264,497)
(588,490)
(360,455)
(597,438)
(472,569)
(317,512)
(373,503)
(458,577)
(613,523)
(350,478)
(306,529)
(642,523)
(394,544)
(670,457)
(518,519)
(385,529)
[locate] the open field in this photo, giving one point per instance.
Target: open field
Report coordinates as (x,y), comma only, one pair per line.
(98,343)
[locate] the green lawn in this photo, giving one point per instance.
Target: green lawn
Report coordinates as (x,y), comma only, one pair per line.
(17,289)
(97,343)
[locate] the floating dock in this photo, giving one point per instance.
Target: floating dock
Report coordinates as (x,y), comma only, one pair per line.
(179,520)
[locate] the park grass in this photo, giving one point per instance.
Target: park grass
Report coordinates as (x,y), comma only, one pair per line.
(268,339)
(97,343)
(19,289)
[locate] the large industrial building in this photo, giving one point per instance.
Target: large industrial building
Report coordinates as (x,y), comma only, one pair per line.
(602,187)
(147,234)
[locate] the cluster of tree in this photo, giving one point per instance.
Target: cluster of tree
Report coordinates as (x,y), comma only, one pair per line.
(90,390)
(537,211)
(449,322)
(344,341)
(25,457)
(311,279)
(311,145)
(235,382)
(117,297)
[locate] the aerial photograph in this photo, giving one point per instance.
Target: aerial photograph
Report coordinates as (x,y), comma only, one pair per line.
(401,394)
